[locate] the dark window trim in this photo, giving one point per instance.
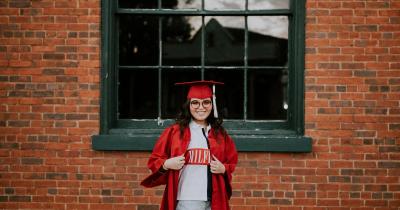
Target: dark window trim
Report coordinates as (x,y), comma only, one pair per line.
(140,135)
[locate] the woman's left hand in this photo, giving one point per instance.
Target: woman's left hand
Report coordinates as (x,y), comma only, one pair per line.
(216,166)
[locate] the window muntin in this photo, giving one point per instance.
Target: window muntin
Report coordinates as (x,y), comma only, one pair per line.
(185,47)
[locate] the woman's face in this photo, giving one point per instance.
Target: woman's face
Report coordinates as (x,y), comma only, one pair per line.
(200,109)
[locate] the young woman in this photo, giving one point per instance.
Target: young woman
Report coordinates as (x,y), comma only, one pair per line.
(195,157)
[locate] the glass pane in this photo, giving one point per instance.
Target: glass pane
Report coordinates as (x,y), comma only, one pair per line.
(267,94)
(181,4)
(224,38)
(138,40)
(139,4)
(229,96)
(173,96)
(181,44)
(268,4)
(138,93)
(224,4)
(267,44)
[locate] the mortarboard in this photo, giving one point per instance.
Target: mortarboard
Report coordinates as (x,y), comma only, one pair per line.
(201,89)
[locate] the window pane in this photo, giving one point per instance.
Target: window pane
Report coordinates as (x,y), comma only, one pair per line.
(174,96)
(267,94)
(267,41)
(181,4)
(224,4)
(181,44)
(142,4)
(230,95)
(224,44)
(138,93)
(138,40)
(268,4)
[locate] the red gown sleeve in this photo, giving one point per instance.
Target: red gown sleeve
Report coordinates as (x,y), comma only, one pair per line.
(230,163)
(160,153)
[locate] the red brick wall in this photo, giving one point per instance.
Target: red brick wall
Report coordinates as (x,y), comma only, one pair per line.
(49,108)
(352,105)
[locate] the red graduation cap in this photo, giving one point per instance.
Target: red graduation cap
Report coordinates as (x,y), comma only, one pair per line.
(201,89)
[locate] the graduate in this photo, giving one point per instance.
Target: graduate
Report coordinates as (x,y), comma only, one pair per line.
(195,157)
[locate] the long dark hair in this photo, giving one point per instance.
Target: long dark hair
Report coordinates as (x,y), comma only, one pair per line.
(183,119)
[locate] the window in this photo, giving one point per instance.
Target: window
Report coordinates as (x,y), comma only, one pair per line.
(256,47)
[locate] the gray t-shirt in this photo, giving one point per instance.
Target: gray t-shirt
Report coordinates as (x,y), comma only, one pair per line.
(193,176)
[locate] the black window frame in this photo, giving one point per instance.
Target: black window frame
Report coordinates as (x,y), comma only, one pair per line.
(249,135)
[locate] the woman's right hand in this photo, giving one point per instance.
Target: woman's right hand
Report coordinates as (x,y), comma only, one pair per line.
(175,163)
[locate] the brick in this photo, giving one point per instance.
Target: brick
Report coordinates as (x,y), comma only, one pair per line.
(354,172)
(20,4)
(394,126)
(20,198)
(53,56)
(366,28)
(42,93)
(344,179)
(327,202)
(54,116)
(66,49)
(148,207)
(57,176)
(32,161)
(382,164)
(364,73)
(76,117)
(9,190)
(66,79)
(281,202)
(53,71)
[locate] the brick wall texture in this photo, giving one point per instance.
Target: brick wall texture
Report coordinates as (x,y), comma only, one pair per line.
(49,108)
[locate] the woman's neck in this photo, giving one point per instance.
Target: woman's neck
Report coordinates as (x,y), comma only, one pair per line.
(202,123)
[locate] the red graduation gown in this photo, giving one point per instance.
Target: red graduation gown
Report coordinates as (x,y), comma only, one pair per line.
(169,145)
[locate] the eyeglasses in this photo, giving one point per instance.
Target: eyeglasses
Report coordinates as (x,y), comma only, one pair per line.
(195,104)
